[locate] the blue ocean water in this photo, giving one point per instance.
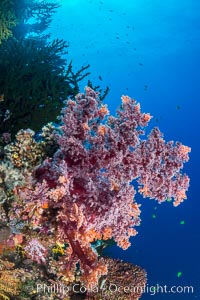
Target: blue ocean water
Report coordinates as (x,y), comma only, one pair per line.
(149,50)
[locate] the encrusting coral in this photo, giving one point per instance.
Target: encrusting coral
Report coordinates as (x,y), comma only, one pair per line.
(84,192)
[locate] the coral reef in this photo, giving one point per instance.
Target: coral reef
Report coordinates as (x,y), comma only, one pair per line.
(20,157)
(66,188)
(34,82)
(16,14)
(123,281)
(31,282)
(35,79)
(8,19)
(29,149)
(84,193)
(10,177)
(25,152)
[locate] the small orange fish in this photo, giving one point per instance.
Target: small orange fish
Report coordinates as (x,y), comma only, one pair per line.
(45,205)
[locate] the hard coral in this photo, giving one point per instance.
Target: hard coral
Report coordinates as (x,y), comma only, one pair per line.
(25,152)
(123,281)
(35,80)
(9,178)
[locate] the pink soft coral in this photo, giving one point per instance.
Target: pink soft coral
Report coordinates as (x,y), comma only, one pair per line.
(84,193)
(36,251)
